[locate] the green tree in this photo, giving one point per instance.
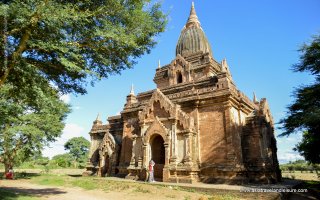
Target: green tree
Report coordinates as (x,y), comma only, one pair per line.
(78,148)
(26,126)
(304,113)
(62,160)
(76,41)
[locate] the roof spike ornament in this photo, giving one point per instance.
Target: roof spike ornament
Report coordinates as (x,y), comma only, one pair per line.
(131,98)
(131,90)
(255,98)
(193,18)
(98,117)
(98,121)
(224,65)
(223,69)
(159,65)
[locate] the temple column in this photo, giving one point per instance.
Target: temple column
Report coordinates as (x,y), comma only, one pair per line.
(143,129)
(188,150)
(166,147)
(166,172)
(101,165)
(145,161)
(133,159)
(173,157)
(198,145)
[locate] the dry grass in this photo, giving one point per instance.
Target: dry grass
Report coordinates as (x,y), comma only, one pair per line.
(62,177)
(307,176)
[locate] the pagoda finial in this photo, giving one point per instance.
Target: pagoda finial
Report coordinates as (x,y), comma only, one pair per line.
(193,18)
(132,90)
(159,65)
(224,65)
(254,98)
(98,117)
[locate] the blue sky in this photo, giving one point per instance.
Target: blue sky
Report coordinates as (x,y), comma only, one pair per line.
(259,39)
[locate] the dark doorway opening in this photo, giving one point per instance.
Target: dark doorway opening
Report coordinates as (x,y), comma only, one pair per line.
(158,156)
(179,77)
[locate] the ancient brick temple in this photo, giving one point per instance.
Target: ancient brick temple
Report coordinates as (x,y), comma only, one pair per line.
(196,125)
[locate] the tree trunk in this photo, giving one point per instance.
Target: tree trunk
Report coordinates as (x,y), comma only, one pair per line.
(7,166)
(7,154)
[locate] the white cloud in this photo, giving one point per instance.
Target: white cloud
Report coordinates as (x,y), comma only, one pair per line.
(77,107)
(65,98)
(292,139)
(289,156)
(69,131)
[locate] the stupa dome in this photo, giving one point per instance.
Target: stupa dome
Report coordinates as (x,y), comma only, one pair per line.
(192,38)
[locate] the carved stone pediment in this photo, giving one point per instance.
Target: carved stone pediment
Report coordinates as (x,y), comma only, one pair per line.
(159,128)
(174,110)
(108,145)
(179,61)
(179,66)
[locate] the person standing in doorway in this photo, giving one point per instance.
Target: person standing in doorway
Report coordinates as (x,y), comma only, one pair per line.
(151,171)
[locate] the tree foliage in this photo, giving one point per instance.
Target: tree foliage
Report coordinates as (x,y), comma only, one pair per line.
(78,148)
(72,42)
(25,125)
(49,47)
(62,160)
(304,113)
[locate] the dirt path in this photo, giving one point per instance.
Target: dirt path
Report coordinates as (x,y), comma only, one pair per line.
(145,192)
(50,192)
(68,193)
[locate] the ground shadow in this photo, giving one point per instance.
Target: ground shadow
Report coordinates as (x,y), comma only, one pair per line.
(9,193)
(34,192)
(75,175)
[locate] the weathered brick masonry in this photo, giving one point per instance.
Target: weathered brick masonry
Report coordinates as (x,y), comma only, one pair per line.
(196,125)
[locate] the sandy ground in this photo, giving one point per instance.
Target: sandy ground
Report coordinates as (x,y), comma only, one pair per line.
(49,192)
(156,191)
(301,176)
(66,193)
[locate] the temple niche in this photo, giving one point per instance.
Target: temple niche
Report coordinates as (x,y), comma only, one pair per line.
(196,125)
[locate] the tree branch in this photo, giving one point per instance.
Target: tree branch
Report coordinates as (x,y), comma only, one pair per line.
(22,45)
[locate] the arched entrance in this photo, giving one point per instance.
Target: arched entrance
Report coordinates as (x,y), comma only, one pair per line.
(158,155)
(106,167)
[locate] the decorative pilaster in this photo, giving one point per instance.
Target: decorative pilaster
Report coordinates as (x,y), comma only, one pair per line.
(187,141)
(198,145)
(166,147)
(140,162)
(101,165)
(133,157)
(145,161)
(173,158)
(143,129)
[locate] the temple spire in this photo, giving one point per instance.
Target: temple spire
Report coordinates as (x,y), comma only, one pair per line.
(98,117)
(159,65)
(131,98)
(132,90)
(98,121)
(254,98)
(193,18)
(224,65)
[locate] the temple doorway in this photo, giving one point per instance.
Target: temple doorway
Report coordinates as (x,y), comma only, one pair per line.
(158,155)
(105,166)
